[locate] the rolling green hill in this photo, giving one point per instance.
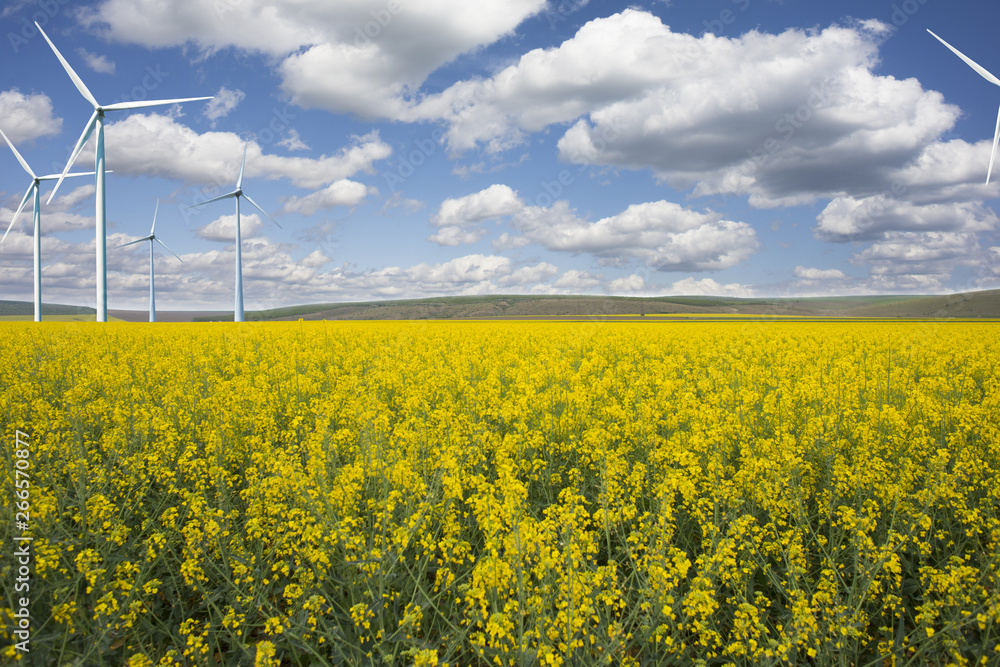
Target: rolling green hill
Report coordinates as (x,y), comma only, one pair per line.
(984,304)
(25,310)
(971,304)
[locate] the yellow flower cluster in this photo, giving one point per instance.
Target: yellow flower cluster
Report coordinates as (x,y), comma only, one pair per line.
(511,493)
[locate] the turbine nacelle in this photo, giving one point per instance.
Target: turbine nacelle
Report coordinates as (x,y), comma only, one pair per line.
(152,236)
(238,192)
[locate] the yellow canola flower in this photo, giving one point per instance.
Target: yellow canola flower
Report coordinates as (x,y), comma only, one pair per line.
(513,493)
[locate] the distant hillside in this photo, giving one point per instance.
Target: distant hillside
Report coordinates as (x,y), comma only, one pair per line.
(970,304)
(985,304)
(27,309)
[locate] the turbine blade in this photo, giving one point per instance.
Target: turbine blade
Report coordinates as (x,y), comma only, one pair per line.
(968,61)
(145,238)
(993,155)
(20,208)
(53,177)
(239,179)
(87,131)
(168,249)
(122,106)
(152,230)
(219,198)
(77,81)
(247,197)
(18,155)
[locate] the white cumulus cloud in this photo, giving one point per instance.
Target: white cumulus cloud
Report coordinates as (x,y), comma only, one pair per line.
(663,235)
(222,103)
(343,192)
(214,157)
(366,57)
(809,273)
(493,202)
(630,284)
(96,62)
(27,117)
(224,228)
(708,287)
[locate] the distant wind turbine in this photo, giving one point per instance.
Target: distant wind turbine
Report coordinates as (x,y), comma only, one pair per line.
(32,191)
(236,194)
(152,237)
(97,121)
(992,79)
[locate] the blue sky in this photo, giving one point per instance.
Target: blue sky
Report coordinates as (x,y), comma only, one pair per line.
(411,149)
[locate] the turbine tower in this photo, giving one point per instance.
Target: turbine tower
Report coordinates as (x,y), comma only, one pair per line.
(236,194)
(32,192)
(992,79)
(152,237)
(97,122)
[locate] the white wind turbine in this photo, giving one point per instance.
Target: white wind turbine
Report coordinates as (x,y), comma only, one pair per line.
(236,194)
(97,122)
(32,192)
(152,237)
(992,79)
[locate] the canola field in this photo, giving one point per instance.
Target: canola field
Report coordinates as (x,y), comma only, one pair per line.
(504,493)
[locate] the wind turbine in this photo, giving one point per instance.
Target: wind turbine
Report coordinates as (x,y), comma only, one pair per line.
(33,191)
(97,122)
(152,237)
(236,194)
(992,79)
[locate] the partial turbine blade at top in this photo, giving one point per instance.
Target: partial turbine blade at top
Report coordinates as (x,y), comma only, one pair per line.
(18,155)
(152,230)
(77,81)
(993,155)
(214,199)
(121,106)
(87,131)
(167,249)
(247,197)
(971,63)
(239,179)
(27,195)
